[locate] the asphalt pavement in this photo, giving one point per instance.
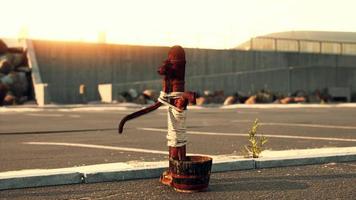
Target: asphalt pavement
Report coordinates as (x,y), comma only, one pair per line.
(55,138)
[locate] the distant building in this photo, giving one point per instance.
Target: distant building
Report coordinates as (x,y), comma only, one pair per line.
(342,43)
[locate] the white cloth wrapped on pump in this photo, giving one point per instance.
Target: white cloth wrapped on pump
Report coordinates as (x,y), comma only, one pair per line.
(176,135)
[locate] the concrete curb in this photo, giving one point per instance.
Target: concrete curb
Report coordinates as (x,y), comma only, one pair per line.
(124,175)
(297,161)
(233,165)
(41,180)
(142,170)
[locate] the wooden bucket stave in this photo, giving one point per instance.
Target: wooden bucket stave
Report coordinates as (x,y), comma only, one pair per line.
(192,174)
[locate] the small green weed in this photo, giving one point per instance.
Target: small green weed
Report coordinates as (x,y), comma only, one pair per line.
(256,145)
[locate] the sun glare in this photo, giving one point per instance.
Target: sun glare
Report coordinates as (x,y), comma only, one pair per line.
(198,23)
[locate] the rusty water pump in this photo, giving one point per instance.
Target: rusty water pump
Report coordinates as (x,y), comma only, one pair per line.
(185,173)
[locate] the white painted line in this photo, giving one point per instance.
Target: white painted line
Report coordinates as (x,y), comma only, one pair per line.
(242,121)
(245,135)
(73,107)
(98,147)
(267,106)
(298,125)
(74,116)
(308,125)
(45,115)
(246,112)
(132,106)
(105,147)
(5,110)
(94,109)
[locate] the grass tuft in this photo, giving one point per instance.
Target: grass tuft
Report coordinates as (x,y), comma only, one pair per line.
(257,144)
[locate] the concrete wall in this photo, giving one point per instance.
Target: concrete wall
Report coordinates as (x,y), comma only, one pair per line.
(64,66)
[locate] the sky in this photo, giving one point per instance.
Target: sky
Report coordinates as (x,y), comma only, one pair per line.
(217,24)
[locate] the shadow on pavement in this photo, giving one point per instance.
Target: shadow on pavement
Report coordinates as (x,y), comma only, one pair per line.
(269,183)
(256,185)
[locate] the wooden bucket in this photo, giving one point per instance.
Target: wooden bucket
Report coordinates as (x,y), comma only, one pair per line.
(192,174)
